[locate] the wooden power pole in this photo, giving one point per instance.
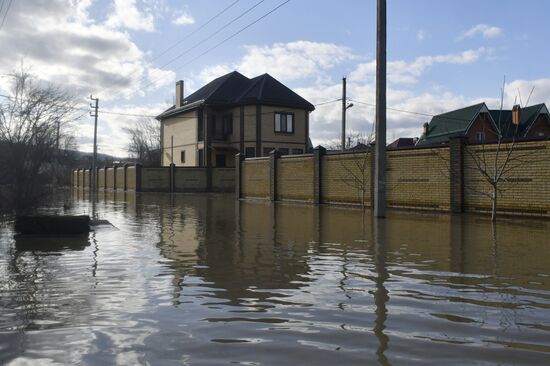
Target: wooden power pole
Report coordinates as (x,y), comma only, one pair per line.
(380,147)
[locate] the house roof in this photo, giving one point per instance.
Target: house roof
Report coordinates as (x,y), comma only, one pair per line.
(236,89)
(450,123)
(402,142)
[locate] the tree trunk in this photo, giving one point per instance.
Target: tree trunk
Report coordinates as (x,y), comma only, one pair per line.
(494,205)
(363,198)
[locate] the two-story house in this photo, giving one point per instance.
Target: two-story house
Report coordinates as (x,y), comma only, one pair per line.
(234,114)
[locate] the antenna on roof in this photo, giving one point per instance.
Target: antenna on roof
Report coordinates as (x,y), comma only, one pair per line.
(530,95)
(520,102)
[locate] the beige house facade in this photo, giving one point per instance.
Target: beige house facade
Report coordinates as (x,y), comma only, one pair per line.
(233,114)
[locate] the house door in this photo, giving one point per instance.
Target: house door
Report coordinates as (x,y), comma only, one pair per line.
(220,160)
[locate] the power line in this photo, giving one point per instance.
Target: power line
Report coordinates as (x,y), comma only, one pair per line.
(226,39)
(197,44)
(195,31)
(171,47)
(6,14)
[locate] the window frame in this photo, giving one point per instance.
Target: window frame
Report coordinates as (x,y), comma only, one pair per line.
(482,135)
(285,131)
(227,121)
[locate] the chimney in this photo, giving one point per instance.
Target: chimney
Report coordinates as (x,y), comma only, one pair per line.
(179,93)
(426,129)
(516,115)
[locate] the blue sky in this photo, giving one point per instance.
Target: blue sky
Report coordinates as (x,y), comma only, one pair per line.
(442,55)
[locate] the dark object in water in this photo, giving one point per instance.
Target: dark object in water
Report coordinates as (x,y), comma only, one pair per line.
(52,225)
(51,243)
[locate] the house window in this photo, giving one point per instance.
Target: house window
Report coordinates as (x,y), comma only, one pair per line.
(283,151)
(200,129)
(297,151)
(267,150)
(212,125)
(201,157)
(284,122)
(249,152)
(480,136)
(182,156)
(228,124)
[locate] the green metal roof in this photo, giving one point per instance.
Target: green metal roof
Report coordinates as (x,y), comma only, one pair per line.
(444,125)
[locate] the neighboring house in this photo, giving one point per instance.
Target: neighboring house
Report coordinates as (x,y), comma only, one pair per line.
(403,142)
(233,114)
(479,124)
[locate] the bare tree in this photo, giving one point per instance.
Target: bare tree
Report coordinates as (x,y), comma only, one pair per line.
(357,169)
(34,122)
(497,162)
(145,142)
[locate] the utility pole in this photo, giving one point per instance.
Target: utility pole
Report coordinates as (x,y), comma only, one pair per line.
(344,114)
(380,147)
(94,159)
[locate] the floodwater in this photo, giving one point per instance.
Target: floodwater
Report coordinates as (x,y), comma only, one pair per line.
(207,280)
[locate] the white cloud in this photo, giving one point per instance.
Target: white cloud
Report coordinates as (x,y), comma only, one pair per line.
(293,60)
(127,15)
(420,35)
(209,73)
(184,19)
(487,31)
(404,72)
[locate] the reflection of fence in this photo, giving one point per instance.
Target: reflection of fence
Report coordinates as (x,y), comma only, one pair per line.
(436,178)
(162,179)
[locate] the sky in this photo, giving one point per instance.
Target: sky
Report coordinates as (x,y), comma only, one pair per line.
(442,55)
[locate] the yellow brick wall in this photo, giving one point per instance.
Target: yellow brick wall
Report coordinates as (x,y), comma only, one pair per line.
(526,186)
(110,178)
(155,179)
(120,177)
(418,179)
(223,179)
(345,176)
(86,179)
(189,179)
(255,178)
(295,178)
(131,178)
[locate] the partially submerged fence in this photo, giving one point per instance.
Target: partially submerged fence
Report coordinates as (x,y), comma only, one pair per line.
(161,179)
(442,178)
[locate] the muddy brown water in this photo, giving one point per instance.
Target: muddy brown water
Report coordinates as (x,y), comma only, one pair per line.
(206,280)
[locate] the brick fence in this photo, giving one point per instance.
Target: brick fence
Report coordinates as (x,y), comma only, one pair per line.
(161,179)
(443,178)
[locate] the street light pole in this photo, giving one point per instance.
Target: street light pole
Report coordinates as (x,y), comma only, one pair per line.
(380,147)
(344,113)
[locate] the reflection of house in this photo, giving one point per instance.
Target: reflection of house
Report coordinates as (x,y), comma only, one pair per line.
(480,124)
(234,114)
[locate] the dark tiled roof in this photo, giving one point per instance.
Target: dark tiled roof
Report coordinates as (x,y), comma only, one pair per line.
(236,89)
(402,142)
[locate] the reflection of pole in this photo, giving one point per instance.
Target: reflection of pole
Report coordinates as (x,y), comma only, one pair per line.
(380,156)
(381,293)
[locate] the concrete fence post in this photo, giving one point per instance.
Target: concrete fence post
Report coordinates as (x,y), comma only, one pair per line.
(114,177)
(273,156)
(239,160)
(125,177)
(172,177)
(456,151)
(318,152)
(138,177)
(90,179)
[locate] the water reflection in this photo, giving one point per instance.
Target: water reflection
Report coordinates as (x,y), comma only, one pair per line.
(206,279)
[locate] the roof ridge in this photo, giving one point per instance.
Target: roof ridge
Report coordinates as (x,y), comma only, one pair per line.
(263,77)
